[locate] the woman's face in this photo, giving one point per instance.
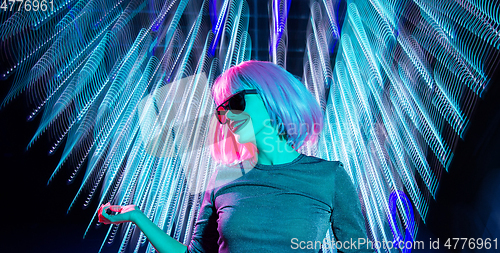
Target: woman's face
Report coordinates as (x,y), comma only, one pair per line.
(251,124)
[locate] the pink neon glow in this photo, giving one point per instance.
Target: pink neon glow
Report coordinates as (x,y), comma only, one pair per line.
(114,208)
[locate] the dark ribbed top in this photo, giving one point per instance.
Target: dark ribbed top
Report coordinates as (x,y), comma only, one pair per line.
(273,208)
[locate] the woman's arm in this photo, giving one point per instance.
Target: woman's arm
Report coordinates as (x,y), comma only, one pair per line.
(162,242)
(205,236)
(347,219)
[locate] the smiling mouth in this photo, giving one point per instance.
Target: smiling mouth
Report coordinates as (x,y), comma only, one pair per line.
(235,125)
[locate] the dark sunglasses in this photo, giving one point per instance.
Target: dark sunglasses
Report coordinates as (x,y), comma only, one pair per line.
(236,104)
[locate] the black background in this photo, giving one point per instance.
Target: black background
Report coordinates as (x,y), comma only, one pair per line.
(35,219)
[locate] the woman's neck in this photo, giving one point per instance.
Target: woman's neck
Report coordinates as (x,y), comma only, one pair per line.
(273,150)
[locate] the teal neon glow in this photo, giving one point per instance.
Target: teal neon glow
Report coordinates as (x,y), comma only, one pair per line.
(124,88)
(278,31)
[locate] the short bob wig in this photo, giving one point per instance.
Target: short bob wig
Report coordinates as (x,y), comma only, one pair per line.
(293,110)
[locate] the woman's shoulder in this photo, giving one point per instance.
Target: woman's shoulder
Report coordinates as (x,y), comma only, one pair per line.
(336,170)
(323,163)
(330,170)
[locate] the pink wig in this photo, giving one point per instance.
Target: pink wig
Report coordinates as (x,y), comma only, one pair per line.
(292,109)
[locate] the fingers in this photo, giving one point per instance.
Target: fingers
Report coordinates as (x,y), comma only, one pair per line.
(110,219)
(102,214)
(106,218)
(128,208)
(115,208)
(118,218)
(113,219)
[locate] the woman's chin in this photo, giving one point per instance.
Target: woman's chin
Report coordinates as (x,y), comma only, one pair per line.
(242,139)
(239,139)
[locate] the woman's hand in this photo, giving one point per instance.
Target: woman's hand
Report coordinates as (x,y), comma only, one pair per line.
(114,214)
(160,240)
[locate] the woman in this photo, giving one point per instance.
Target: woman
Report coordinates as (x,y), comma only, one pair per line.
(266,197)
